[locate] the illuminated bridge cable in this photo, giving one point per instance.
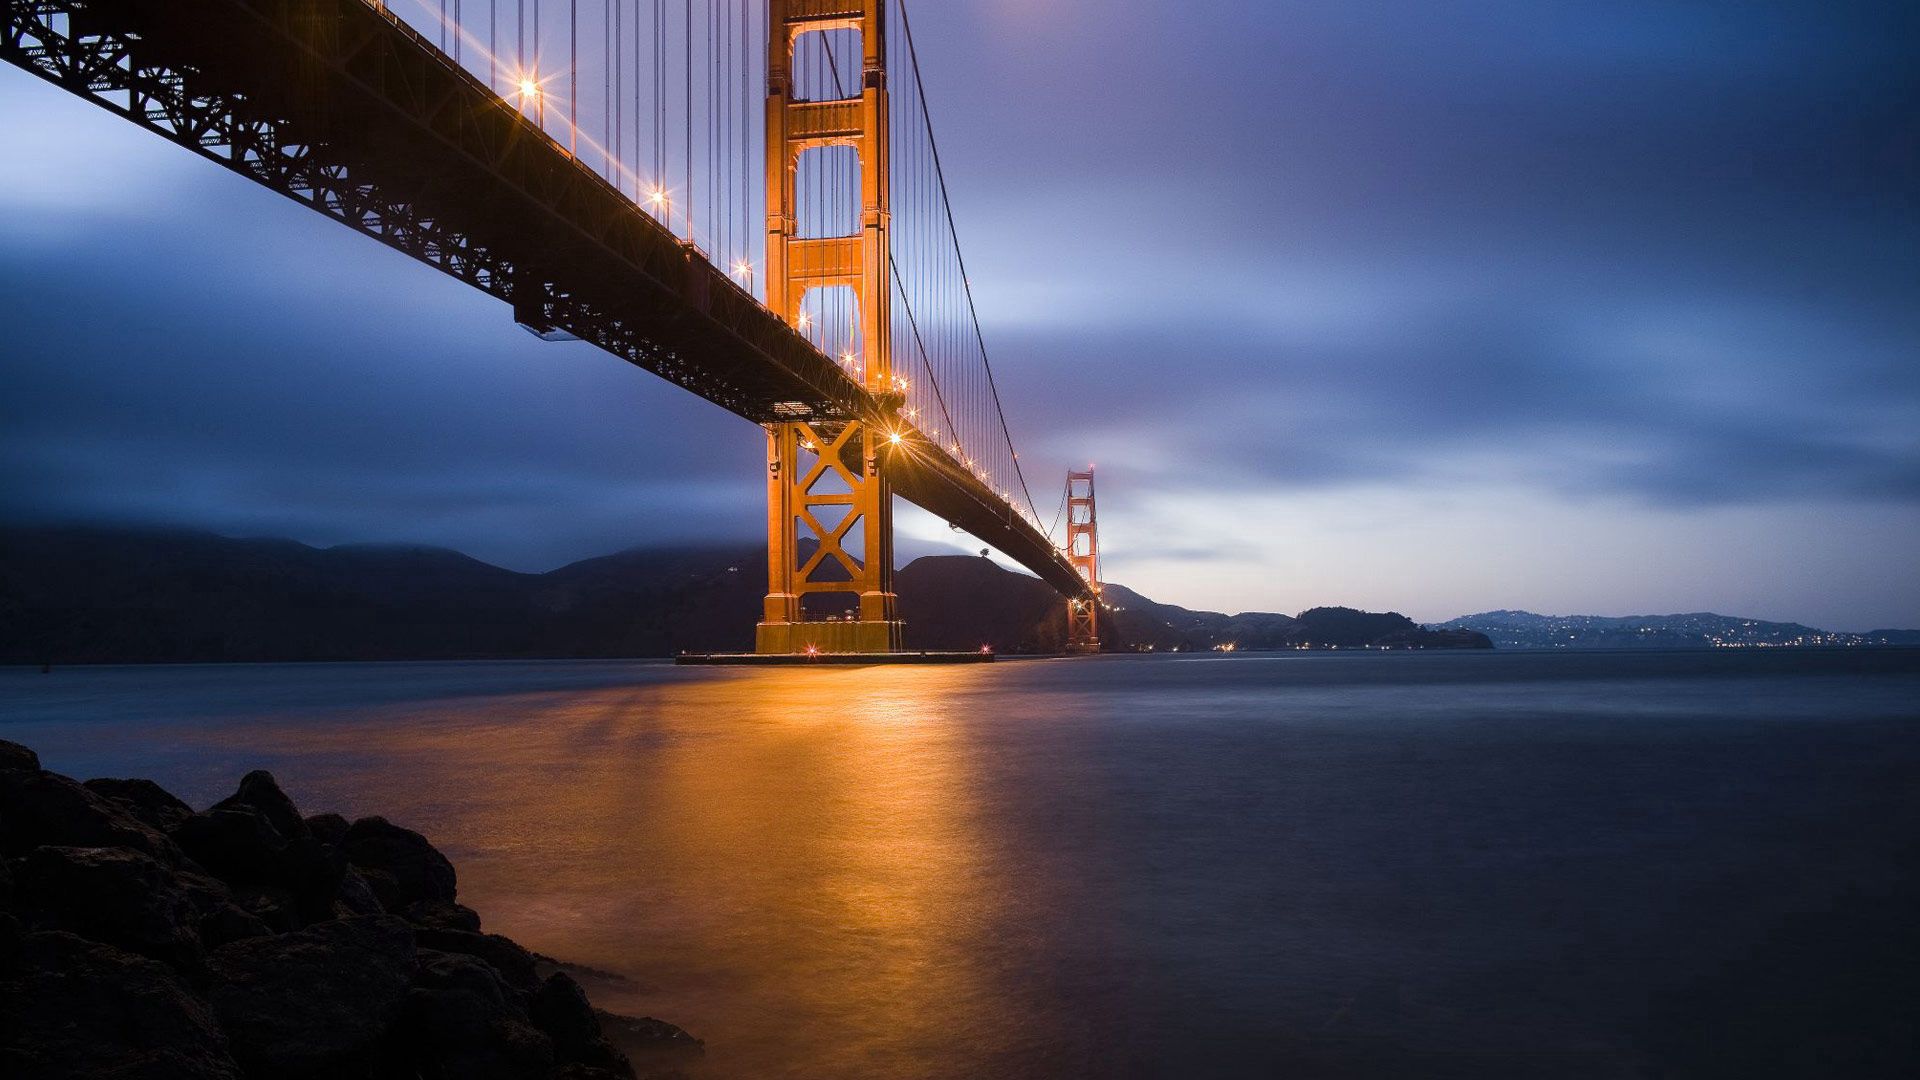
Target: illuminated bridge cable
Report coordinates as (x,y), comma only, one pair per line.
(966,285)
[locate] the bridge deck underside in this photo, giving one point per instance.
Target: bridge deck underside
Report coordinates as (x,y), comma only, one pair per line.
(353,114)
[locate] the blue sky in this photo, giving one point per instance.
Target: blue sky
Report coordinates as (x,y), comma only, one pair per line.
(1433,307)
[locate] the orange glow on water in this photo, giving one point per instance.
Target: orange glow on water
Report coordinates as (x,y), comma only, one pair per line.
(789,832)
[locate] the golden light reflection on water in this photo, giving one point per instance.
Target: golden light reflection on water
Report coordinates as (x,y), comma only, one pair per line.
(791,864)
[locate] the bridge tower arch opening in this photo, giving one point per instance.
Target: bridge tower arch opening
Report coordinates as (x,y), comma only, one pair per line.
(1083,551)
(829,499)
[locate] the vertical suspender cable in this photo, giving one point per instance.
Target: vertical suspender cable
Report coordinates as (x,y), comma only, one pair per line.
(686,41)
(573,77)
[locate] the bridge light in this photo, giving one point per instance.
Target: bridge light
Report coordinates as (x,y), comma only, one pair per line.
(894,438)
(806,320)
(657,196)
(529,88)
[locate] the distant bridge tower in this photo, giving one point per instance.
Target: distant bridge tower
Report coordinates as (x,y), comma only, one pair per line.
(1083,551)
(825,481)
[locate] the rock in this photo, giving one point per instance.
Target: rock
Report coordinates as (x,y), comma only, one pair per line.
(576,1071)
(289,881)
(221,918)
(259,791)
(119,904)
(15,756)
(560,1008)
(644,1037)
(78,1008)
(317,1002)
(315,873)
(145,800)
(442,915)
(328,828)
(515,964)
(419,872)
(237,843)
(228,922)
(111,895)
(463,1021)
(356,896)
(39,808)
(270,904)
(10,934)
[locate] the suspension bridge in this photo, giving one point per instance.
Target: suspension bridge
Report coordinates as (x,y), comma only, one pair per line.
(744,197)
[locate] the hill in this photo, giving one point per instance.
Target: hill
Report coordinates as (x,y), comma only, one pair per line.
(1526,630)
(118,595)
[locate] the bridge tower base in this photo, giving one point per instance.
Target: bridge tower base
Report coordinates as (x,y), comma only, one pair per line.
(829,531)
(1083,551)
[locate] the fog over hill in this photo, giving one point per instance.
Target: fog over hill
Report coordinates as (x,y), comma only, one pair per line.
(129,595)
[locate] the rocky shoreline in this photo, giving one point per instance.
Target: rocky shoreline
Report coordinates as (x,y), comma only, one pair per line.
(142,940)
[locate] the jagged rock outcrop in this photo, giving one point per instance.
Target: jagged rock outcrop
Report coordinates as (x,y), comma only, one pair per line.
(141,939)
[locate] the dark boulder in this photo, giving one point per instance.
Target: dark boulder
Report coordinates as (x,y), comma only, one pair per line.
(318,1002)
(15,756)
(78,1008)
(462,1021)
(644,1039)
(38,807)
(237,843)
(356,896)
(577,1071)
(221,917)
(443,915)
(272,905)
(111,895)
(290,881)
(560,1008)
(11,933)
(145,800)
(258,791)
(515,964)
(328,828)
(228,922)
(417,870)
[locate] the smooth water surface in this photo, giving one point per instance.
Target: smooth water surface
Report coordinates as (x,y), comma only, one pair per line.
(1400,865)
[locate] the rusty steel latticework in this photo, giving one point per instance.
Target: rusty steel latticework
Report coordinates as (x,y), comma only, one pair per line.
(1083,551)
(840,468)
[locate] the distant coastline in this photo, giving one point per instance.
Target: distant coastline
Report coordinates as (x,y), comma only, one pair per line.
(1696,630)
(88,594)
(91,594)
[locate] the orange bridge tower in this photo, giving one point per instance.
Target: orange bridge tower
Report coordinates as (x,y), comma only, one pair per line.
(1083,551)
(829,503)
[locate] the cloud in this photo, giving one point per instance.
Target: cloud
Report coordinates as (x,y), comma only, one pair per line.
(1466,269)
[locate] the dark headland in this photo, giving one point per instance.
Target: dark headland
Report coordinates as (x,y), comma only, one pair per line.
(142,939)
(104,595)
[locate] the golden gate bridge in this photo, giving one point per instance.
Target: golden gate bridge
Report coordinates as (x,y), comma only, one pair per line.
(744,197)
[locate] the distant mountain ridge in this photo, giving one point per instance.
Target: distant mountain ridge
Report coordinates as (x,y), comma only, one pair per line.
(148,595)
(1526,630)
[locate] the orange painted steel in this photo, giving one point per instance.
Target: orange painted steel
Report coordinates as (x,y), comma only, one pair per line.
(1083,551)
(829,492)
